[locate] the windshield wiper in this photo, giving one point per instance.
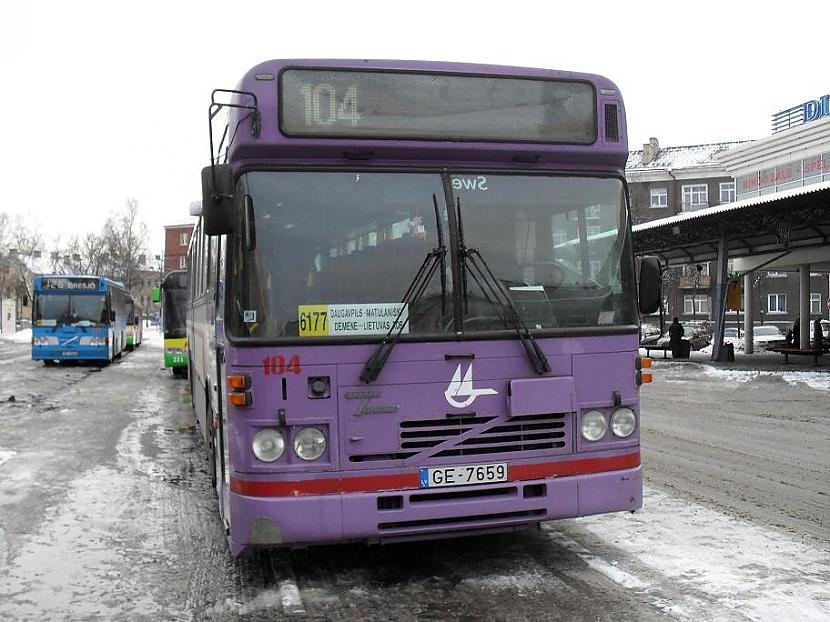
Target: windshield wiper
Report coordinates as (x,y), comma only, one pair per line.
(473,262)
(435,258)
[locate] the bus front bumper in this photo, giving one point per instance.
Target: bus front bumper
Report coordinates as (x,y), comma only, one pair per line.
(64,353)
(426,513)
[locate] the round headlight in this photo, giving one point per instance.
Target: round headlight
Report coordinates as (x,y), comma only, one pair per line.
(593,425)
(623,422)
(268,445)
(309,444)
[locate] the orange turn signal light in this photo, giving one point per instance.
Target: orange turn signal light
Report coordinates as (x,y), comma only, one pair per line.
(239,382)
(645,362)
(645,377)
(240,399)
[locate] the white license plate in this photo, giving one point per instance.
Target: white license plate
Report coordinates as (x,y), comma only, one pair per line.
(463,475)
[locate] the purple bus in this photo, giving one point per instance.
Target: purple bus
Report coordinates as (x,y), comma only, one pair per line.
(414,302)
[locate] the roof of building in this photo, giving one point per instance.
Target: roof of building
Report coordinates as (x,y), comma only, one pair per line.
(682,157)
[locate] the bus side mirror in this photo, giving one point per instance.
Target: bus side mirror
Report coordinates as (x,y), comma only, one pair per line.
(217,199)
(649,285)
(156,294)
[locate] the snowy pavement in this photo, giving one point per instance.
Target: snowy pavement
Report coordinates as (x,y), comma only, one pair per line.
(106,512)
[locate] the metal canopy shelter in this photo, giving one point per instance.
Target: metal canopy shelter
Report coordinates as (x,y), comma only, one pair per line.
(778,223)
(783,221)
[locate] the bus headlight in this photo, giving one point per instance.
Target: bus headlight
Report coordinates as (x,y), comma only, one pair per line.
(309,444)
(623,422)
(593,425)
(268,445)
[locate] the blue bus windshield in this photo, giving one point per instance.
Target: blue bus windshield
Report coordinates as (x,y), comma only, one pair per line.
(70,309)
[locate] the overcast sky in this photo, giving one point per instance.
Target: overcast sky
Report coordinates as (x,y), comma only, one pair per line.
(101,102)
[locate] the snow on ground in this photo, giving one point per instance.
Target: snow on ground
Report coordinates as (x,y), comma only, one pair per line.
(814,379)
(6,455)
(21,336)
(741,376)
(712,558)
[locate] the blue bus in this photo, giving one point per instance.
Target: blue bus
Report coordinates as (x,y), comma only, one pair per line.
(78,318)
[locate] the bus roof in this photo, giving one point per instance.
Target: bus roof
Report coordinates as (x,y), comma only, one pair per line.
(271,143)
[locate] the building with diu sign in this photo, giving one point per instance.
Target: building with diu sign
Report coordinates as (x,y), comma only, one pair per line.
(766,229)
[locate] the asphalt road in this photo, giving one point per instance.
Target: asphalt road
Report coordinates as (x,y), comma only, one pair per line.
(753,444)
(106,512)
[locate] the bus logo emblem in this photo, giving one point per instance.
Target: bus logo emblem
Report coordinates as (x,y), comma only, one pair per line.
(459,388)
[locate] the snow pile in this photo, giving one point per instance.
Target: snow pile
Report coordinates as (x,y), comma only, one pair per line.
(6,455)
(21,336)
(813,379)
(737,375)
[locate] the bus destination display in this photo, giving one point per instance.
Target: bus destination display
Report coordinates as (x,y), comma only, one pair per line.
(433,106)
(75,284)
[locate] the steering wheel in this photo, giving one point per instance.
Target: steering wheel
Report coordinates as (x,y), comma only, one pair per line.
(479,322)
(556,272)
(483,320)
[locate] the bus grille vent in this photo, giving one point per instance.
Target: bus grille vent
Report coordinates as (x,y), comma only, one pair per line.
(528,433)
(612,127)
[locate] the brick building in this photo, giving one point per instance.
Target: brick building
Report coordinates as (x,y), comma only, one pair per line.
(176,240)
(667,181)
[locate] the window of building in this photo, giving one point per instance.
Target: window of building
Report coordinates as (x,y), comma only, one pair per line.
(695,196)
(182,262)
(593,211)
(690,269)
(777,303)
(659,198)
(727,192)
(696,305)
(184,238)
(815,302)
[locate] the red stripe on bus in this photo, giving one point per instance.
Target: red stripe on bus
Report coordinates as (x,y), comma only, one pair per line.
(404,481)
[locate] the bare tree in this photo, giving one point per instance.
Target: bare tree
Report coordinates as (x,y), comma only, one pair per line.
(24,248)
(124,244)
(7,270)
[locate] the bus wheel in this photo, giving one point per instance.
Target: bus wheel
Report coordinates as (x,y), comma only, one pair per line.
(48,362)
(180,372)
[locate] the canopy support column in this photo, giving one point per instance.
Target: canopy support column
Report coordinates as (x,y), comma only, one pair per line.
(719,307)
(749,331)
(804,333)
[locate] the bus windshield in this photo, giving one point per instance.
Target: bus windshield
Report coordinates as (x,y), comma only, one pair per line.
(344,247)
(175,312)
(70,309)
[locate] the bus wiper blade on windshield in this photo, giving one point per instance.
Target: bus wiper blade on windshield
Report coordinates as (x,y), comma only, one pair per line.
(435,258)
(473,262)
